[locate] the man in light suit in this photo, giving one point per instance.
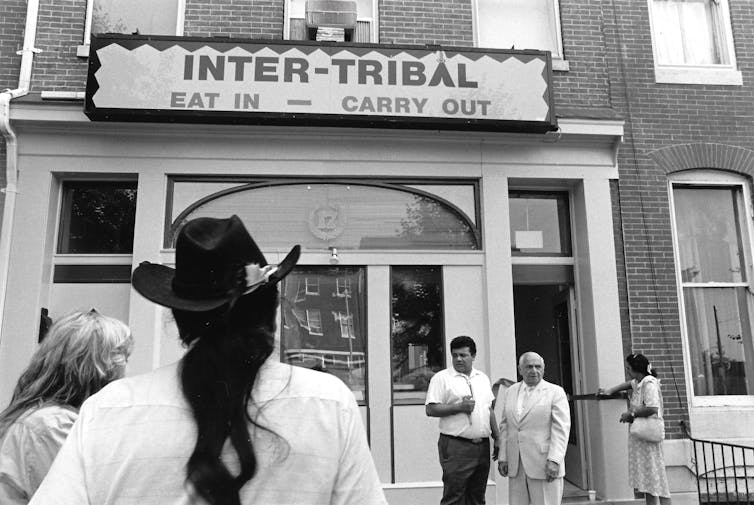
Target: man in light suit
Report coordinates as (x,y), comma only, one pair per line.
(534,427)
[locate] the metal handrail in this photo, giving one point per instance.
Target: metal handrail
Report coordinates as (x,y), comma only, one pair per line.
(726,489)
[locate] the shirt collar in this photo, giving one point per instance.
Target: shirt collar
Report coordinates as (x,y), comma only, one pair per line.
(473,372)
(526,387)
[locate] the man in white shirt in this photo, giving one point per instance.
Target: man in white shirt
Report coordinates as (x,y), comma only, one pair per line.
(535,425)
(462,398)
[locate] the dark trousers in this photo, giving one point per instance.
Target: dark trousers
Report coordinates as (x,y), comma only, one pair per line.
(465,468)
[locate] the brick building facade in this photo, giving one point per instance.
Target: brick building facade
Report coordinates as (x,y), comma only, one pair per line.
(627,119)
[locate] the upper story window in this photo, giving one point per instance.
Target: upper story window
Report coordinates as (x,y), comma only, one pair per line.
(713,261)
(343,286)
(693,42)
(346,324)
(314,321)
(521,24)
(311,285)
(296,27)
(145,17)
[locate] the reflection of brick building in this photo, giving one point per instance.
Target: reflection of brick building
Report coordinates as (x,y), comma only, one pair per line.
(323,318)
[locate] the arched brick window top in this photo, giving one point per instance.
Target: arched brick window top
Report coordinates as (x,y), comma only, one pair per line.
(677,158)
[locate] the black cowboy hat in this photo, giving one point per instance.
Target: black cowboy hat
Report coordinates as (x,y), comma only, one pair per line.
(216,261)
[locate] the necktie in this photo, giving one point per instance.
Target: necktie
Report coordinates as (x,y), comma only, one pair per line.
(525,398)
(471,392)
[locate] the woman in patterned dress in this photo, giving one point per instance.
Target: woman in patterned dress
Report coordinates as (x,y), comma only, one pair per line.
(646,463)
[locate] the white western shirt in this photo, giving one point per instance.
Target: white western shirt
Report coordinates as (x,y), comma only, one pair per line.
(132,440)
(448,386)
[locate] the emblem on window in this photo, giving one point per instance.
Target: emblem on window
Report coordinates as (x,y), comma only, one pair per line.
(327,222)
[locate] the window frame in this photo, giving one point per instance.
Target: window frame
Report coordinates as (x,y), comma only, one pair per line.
(566,228)
(84,280)
(373,22)
(559,62)
(311,328)
(727,74)
(60,226)
(471,214)
(345,322)
(710,178)
(82,51)
(343,287)
(314,285)
(417,399)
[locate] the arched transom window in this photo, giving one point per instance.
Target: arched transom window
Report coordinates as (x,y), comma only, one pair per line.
(344,214)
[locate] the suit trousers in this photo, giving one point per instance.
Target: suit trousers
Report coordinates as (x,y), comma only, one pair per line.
(465,469)
(523,490)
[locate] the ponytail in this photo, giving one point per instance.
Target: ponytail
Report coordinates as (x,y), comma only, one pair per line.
(228,347)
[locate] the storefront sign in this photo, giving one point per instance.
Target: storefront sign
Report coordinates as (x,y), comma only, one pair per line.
(181,79)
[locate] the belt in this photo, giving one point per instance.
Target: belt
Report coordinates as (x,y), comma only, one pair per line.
(464,439)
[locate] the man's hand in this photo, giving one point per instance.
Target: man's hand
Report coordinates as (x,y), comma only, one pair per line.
(551,470)
(495,451)
(502,467)
(467,405)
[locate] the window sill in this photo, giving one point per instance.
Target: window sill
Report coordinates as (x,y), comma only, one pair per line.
(732,402)
(559,65)
(82,51)
(92,259)
(408,401)
(698,75)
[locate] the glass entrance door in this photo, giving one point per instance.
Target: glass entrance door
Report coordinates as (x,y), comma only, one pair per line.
(384,331)
(323,323)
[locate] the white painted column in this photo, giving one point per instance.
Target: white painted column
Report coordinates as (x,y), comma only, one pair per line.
(29,263)
(148,236)
(498,278)
(600,335)
(378,365)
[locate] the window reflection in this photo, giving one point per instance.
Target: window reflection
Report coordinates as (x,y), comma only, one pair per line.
(324,322)
(717,300)
(345,216)
(518,23)
(709,236)
(719,340)
(417,330)
(147,17)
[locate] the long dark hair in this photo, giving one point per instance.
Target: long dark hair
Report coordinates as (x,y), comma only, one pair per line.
(640,364)
(228,345)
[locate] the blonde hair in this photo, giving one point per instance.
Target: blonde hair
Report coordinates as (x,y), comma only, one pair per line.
(81,353)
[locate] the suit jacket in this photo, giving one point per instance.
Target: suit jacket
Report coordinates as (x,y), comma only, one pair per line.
(541,433)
